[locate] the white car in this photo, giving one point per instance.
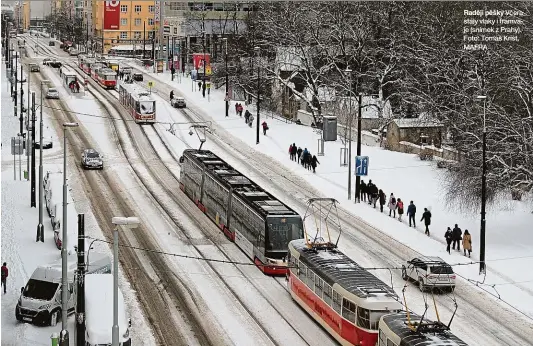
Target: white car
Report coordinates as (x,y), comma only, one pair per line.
(52,93)
(178,102)
(429,273)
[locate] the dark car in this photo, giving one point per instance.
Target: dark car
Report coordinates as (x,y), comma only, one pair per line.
(138,77)
(46,61)
(91,159)
(47,144)
(51,43)
(55,64)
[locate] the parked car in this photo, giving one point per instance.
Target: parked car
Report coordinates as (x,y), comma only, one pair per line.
(51,43)
(34,67)
(47,144)
(55,64)
(138,77)
(52,93)
(46,61)
(91,159)
(178,102)
(73,52)
(429,272)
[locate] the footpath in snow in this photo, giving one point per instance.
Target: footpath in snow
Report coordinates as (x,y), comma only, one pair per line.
(509,239)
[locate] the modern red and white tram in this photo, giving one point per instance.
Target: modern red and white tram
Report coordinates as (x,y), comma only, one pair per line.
(106,77)
(347,300)
(256,221)
(138,102)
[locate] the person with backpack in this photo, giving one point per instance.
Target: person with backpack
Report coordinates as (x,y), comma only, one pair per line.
(399,205)
(362,191)
(426,216)
(5,274)
(448,236)
(392,205)
(457,237)
(467,243)
(411,212)
(382,199)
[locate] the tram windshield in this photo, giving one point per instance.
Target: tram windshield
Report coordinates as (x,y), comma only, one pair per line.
(281,230)
(147,107)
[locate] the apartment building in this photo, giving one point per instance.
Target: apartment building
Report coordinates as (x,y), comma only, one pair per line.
(123,22)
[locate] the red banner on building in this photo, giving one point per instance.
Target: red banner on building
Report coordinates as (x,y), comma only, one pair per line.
(112,15)
(198,60)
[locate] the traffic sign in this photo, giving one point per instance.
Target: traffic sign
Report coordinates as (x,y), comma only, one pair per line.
(361,165)
(150,84)
(17,145)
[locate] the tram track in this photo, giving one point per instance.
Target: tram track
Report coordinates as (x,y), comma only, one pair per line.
(215,241)
(482,312)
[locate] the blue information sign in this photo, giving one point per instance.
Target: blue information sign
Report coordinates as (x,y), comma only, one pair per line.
(361,166)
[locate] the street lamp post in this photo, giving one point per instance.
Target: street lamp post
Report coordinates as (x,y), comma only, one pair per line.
(64,269)
(257,51)
(40,227)
(349,73)
(126,222)
(225,39)
(358,178)
(204,78)
(482,268)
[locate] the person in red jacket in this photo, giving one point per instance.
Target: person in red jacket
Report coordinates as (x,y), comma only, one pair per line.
(265,128)
(5,274)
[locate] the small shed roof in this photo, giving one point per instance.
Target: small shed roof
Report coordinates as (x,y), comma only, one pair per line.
(417,122)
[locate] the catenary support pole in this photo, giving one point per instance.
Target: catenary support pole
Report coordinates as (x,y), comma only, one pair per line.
(80,304)
(21,114)
(33,150)
(40,226)
(227,75)
(64,336)
(482,268)
(357,198)
(115,329)
(350,121)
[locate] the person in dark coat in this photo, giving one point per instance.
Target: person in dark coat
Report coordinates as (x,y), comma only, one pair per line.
(236,108)
(293,151)
(246,115)
(374,194)
(314,162)
(411,212)
(5,274)
(362,191)
(290,152)
(426,216)
(457,237)
(264,125)
(369,189)
(448,236)
(299,154)
(171,95)
(199,86)
(382,199)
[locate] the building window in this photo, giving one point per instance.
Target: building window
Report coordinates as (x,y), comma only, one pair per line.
(175,31)
(137,21)
(150,21)
(123,21)
(123,35)
(123,8)
(137,8)
(137,34)
(151,8)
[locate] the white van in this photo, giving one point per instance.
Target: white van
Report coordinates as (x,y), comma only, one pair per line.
(99,312)
(40,300)
(53,192)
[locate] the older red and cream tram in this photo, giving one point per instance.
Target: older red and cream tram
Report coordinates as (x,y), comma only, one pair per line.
(256,221)
(402,329)
(347,300)
(138,101)
(106,77)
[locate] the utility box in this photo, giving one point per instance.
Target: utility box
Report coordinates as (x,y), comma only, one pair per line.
(329,128)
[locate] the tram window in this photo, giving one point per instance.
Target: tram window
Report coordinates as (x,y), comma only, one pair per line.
(382,338)
(375,315)
(348,310)
(147,107)
(337,301)
(310,278)
(319,283)
(390,343)
(327,293)
(363,318)
(303,272)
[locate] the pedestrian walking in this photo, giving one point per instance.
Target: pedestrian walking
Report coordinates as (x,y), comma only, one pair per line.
(362,191)
(411,212)
(171,95)
(240,110)
(299,154)
(448,236)
(5,274)
(199,86)
(264,125)
(293,152)
(457,237)
(467,243)
(382,199)
(290,150)
(426,216)
(374,195)
(369,188)
(392,205)
(236,108)
(314,162)
(305,153)
(246,115)
(399,205)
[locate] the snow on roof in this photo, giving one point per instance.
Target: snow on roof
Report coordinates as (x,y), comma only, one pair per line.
(99,309)
(417,122)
